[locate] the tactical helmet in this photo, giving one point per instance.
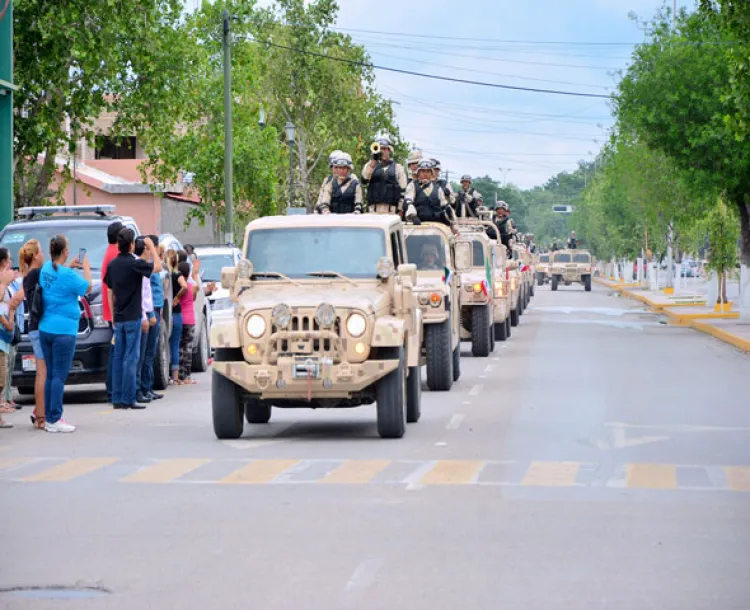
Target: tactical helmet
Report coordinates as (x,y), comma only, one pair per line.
(384,142)
(466,178)
(426,164)
(334,155)
(342,160)
(415,156)
(479,196)
(436,163)
(501,205)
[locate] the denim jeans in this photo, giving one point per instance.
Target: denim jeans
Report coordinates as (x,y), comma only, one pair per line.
(127,349)
(109,364)
(58,356)
(174,342)
(148,354)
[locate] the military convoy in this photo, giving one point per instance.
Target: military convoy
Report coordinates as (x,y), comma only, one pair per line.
(571,266)
(353,321)
(542,269)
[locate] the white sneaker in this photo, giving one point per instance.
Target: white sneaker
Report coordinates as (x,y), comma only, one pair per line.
(59,426)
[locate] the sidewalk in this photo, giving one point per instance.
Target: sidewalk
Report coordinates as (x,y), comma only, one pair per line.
(689,309)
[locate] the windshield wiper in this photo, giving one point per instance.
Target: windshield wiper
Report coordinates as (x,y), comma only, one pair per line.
(276,275)
(331,274)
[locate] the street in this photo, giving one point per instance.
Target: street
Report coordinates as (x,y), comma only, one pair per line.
(597,459)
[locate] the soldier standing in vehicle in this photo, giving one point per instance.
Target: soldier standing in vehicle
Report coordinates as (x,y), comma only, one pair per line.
(504,223)
(450,196)
(425,201)
(466,201)
(572,241)
(412,162)
(385,180)
(341,192)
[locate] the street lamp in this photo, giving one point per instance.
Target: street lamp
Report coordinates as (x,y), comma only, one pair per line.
(289,128)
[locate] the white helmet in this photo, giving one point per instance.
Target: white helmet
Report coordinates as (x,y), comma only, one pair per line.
(415,156)
(341,160)
(334,155)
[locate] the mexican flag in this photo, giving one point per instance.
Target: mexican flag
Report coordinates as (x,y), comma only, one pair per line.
(447,275)
(488,276)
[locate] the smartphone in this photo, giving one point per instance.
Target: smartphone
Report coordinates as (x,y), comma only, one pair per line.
(81,254)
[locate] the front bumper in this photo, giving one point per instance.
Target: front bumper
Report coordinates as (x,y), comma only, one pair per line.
(343,379)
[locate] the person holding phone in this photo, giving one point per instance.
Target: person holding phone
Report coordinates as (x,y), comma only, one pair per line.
(58,326)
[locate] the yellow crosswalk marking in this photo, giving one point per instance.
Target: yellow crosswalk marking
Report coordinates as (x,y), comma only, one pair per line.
(738,477)
(8,462)
(259,471)
(355,471)
(453,472)
(165,471)
(551,474)
(70,469)
(651,476)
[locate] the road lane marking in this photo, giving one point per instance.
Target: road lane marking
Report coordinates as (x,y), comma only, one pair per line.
(453,472)
(651,476)
(356,471)
(476,390)
(70,469)
(551,474)
(738,477)
(259,471)
(165,471)
(10,462)
(488,368)
(455,422)
(363,575)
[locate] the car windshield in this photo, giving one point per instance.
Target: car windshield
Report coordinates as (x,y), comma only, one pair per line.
(426,251)
(562,258)
(299,251)
(581,258)
(477,254)
(211,265)
(92,237)
(544,258)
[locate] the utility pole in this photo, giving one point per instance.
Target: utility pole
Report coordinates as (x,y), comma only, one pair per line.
(228,185)
(6,114)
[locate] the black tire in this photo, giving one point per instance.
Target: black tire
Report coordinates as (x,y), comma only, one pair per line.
(25,390)
(391,399)
(200,353)
(257,412)
(439,357)
(457,362)
(414,395)
(481,336)
(522,301)
(226,407)
(161,362)
(587,283)
(531,290)
(540,279)
(515,317)
(501,330)
(555,279)
(508,327)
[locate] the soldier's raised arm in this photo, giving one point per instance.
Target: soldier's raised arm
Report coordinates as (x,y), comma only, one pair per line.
(368,170)
(323,206)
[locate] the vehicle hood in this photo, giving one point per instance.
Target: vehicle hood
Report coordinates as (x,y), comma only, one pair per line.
(430,280)
(369,298)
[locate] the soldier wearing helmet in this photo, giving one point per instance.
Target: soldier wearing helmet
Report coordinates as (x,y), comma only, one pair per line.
(340,192)
(444,184)
(429,259)
(466,201)
(572,241)
(505,223)
(412,162)
(385,180)
(425,200)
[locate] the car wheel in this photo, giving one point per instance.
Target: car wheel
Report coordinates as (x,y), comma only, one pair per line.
(515,317)
(257,412)
(501,330)
(161,362)
(439,357)
(508,328)
(587,283)
(25,390)
(414,394)
(391,399)
(555,279)
(457,361)
(539,279)
(200,352)
(531,290)
(481,339)
(226,407)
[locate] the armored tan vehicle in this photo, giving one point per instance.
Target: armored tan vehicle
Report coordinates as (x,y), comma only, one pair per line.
(571,266)
(431,246)
(474,261)
(515,285)
(525,277)
(325,316)
(542,269)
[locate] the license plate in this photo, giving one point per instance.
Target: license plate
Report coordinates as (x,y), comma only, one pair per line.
(28,363)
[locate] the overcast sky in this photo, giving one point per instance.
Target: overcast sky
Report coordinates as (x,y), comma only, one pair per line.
(523,137)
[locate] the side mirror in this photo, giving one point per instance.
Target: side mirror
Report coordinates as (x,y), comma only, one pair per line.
(408,270)
(228,277)
(463,255)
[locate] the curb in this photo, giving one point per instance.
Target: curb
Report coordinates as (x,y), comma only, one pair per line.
(738,342)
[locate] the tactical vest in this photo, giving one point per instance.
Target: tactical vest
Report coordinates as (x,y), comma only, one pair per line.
(428,206)
(383,186)
(342,202)
(443,183)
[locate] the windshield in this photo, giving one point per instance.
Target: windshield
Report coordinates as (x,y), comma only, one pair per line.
(426,251)
(544,258)
(297,252)
(211,265)
(93,238)
(562,258)
(581,258)
(477,254)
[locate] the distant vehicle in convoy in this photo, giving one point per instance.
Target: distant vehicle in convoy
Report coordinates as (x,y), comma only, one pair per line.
(543,269)
(571,266)
(431,246)
(337,327)
(526,275)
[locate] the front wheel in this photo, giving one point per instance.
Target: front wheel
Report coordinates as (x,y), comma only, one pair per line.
(457,361)
(391,399)
(200,353)
(539,279)
(555,280)
(256,412)
(587,283)
(161,362)
(501,330)
(414,394)
(481,339)
(508,329)
(515,316)
(439,357)
(531,289)
(226,407)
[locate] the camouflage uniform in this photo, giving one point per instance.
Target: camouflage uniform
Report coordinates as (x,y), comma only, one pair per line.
(386,183)
(338,190)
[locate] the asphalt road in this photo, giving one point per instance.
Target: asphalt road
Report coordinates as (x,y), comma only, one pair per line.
(598,459)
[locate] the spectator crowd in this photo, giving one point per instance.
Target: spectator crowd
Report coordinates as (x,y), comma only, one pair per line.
(41,296)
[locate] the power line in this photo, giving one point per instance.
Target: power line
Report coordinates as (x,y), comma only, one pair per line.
(362,64)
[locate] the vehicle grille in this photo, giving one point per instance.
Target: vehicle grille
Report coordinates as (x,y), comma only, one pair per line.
(305,337)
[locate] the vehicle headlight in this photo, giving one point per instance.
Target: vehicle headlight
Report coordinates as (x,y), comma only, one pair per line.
(423,299)
(356,325)
(256,326)
(325,315)
(477,287)
(244,269)
(281,315)
(436,299)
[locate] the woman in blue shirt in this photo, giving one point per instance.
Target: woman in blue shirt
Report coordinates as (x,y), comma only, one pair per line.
(58,327)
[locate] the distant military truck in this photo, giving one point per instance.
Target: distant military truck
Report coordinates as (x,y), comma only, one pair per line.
(431,246)
(474,262)
(542,269)
(515,281)
(571,266)
(325,316)
(524,265)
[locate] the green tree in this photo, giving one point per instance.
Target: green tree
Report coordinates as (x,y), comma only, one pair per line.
(721,227)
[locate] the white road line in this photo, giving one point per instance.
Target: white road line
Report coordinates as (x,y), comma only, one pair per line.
(440,444)
(488,368)
(412,481)
(476,390)
(466,403)
(455,422)
(364,574)
(483,377)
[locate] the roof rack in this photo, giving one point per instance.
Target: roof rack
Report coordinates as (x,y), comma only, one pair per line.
(76,210)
